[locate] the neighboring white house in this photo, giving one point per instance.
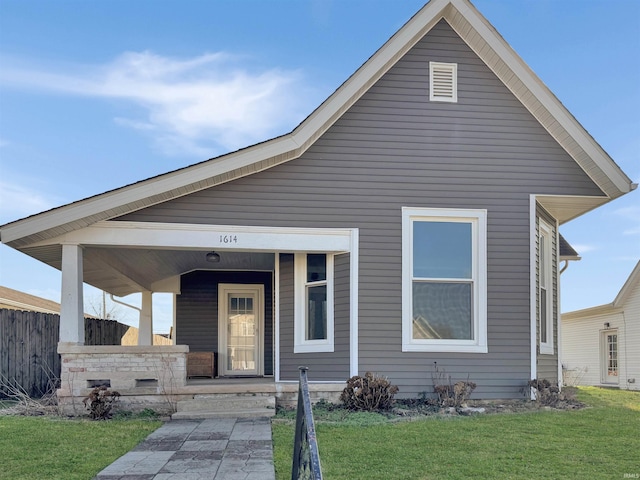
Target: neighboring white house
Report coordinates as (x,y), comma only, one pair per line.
(601,345)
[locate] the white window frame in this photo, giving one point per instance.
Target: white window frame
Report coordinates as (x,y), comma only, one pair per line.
(441,68)
(301,344)
(478,220)
(545,284)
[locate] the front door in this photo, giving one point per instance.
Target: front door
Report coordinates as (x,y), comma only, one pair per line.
(609,356)
(240,329)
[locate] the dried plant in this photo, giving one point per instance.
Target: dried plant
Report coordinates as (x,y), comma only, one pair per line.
(450,394)
(369,393)
(26,405)
(100,403)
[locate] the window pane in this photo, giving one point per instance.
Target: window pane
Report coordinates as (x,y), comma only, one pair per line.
(442,250)
(543,315)
(316,313)
(316,267)
(442,311)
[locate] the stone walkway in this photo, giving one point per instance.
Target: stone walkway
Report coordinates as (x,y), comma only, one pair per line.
(220,448)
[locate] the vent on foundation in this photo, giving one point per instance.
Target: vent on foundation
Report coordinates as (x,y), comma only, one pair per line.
(146,382)
(98,383)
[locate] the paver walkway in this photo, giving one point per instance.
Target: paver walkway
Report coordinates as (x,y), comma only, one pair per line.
(220,448)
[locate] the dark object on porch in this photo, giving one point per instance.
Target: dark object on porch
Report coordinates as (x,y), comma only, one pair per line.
(306,459)
(200,364)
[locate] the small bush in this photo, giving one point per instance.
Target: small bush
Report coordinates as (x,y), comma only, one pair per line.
(450,394)
(545,392)
(100,403)
(370,393)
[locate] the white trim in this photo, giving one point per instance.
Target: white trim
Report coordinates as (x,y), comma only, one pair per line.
(276,316)
(557,319)
(353,294)
(478,220)
(185,236)
(546,348)
(301,344)
(533,304)
(258,290)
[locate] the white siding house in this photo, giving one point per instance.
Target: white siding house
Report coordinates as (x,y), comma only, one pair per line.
(601,345)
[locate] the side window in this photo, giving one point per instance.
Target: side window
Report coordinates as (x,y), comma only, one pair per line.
(313,328)
(545,288)
(444,280)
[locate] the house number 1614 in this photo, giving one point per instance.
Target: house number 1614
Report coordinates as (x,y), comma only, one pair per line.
(228,239)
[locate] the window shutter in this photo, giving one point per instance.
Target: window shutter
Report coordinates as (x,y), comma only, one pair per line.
(443,82)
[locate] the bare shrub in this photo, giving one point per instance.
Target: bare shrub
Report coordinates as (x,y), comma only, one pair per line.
(450,394)
(545,392)
(100,403)
(369,393)
(24,404)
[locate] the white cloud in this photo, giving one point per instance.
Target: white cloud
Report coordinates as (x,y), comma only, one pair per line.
(582,249)
(632,216)
(17,201)
(199,103)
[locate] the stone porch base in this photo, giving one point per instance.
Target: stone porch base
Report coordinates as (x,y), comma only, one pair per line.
(155,377)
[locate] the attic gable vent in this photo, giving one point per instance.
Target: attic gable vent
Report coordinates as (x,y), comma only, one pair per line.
(443,82)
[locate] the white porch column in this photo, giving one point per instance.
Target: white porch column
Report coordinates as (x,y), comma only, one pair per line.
(145,327)
(72,305)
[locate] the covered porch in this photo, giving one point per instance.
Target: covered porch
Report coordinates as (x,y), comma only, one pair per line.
(239,308)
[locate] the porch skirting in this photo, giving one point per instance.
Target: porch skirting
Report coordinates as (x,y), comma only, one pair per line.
(155,377)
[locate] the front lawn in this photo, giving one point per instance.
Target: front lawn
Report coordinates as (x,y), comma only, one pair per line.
(55,448)
(600,441)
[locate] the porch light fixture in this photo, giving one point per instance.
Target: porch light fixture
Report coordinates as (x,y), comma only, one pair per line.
(607,324)
(213,257)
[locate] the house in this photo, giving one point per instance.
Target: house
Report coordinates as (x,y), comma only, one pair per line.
(600,344)
(412,218)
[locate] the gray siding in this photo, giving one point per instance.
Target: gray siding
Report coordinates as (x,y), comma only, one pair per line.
(547,365)
(394,148)
(197,310)
(322,366)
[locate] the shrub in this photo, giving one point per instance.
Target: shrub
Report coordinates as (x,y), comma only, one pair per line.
(451,394)
(100,403)
(369,393)
(545,392)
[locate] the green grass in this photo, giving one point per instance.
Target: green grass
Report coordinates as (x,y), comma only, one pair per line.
(601,441)
(56,448)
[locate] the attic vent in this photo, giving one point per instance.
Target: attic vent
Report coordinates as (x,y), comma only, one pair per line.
(443,82)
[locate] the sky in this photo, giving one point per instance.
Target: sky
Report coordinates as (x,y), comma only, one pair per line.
(96,95)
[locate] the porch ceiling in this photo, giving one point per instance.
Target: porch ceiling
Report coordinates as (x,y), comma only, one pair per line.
(122,271)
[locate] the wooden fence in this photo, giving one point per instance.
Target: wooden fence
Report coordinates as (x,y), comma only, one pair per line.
(29,342)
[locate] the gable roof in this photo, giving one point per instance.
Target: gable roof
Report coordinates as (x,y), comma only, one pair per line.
(468,23)
(567,252)
(618,302)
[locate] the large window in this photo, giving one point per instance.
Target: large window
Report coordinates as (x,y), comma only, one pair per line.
(314,303)
(444,280)
(545,290)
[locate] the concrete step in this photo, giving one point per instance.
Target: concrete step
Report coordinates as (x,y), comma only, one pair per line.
(252,413)
(226,405)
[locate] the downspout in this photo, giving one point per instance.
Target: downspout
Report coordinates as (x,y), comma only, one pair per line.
(626,364)
(125,304)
